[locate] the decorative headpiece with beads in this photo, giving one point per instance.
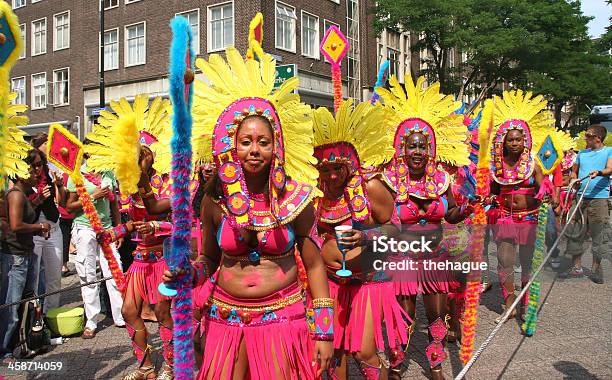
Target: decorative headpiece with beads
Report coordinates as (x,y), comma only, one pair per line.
(425,111)
(240,89)
(353,138)
(521,111)
(118,136)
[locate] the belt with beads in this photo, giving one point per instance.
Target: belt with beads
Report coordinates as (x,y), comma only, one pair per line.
(252,258)
(271,306)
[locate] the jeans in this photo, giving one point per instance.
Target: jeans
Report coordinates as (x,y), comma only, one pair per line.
(20,282)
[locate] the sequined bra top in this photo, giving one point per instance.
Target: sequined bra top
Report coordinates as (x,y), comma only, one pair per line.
(410,214)
(274,242)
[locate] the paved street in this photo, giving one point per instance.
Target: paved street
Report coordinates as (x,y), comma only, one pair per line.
(573,339)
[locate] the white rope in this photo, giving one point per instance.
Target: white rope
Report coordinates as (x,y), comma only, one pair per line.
(505,316)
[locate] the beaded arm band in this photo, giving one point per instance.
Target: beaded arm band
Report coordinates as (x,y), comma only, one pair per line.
(112,234)
(321,319)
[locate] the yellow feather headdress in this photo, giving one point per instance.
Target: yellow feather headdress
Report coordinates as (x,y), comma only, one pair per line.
(119,134)
(516,110)
(432,114)
(237,89)
(13,147)
(357,135)
(434,109)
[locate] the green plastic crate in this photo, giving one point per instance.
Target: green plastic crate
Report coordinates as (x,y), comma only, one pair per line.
(66,321)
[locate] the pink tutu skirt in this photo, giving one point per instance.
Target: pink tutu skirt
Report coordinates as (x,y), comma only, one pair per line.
(352,301)
(273,330)
(520,228)
(145,273)
(424,275)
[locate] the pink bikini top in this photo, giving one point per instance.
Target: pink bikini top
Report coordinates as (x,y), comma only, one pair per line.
(275,241)
(409,212)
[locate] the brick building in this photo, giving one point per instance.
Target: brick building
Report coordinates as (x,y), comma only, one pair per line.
(58,76)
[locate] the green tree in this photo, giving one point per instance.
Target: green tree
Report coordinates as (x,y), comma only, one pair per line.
(504,40)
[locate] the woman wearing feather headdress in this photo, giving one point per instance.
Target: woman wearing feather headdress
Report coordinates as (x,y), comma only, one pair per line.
(343,145)
(427,132)
(517,118)
(133,142)
(257,215)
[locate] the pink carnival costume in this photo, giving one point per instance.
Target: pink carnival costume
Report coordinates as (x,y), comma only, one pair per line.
(343,144)
(252,227)
(427,132)
(146,133)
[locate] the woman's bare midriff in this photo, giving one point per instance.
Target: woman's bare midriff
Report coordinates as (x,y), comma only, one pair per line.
(243,279)
(520,202)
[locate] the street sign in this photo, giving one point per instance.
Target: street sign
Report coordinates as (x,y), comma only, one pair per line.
(284,72)
(96,111)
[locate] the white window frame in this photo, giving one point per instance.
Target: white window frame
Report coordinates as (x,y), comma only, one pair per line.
(33,93)
(106,8)
(335,1)
(292,49)
(126,47)
(21,6)
(33,40)
(35,1)
(131,1)
(55,104)
(116,67)
(24,37)
(55,48)
(317,54)
(196,45)
(25,94)
(209,47)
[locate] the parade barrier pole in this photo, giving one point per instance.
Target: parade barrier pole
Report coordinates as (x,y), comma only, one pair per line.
(489,338)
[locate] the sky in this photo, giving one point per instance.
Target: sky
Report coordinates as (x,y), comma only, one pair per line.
(602,13)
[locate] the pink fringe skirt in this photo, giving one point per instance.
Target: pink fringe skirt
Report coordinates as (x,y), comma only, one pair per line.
(352,301)
(520,227)
(145,274)
(273,330)
(424,275)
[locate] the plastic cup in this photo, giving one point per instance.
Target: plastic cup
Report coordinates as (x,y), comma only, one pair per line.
(342,231)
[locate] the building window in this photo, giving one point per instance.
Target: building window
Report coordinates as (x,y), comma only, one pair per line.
(135,44)
(285,27)
(22,28)
(19,3)
(18,86)
(393,56)
(39,36)
(131,1)
(35,1)
(39,91)
(193,17)
(61,87)
(61,36)
(310,35)
(111,50)
(111,4)
(220,26)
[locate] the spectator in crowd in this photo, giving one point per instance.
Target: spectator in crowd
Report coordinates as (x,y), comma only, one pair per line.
(49,251)
(18,258)
(595,161)
(101,188)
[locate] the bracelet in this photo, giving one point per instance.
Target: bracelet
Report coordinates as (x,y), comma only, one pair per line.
(323,302)
(320,322)
(42,226)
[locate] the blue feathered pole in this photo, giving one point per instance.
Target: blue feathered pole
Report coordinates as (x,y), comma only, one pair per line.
(181,60)
(381,78)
